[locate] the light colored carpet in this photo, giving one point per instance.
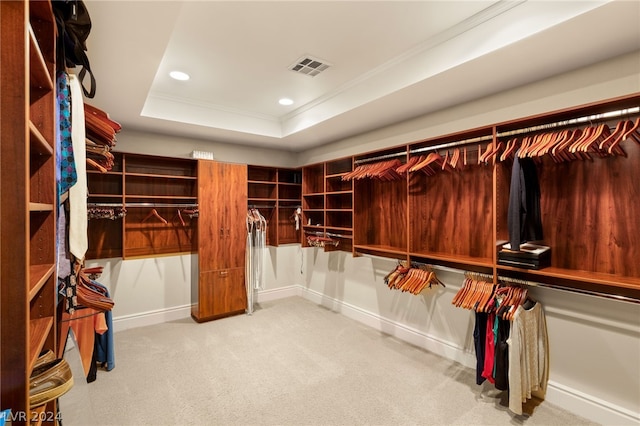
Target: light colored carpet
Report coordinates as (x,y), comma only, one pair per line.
(291,363)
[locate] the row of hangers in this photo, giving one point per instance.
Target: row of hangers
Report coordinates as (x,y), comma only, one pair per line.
(383,170)
(455,159)
(180,214)
(481,295)
(574,144)
(560,145)
(412,278)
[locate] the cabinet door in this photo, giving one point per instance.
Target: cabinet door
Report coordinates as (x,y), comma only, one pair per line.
(222,292)
(211,225)
(234,179)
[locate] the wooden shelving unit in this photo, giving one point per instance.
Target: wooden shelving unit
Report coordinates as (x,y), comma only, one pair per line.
(276,193)
(141,183)
(590,209)
(380,210)
(28,198)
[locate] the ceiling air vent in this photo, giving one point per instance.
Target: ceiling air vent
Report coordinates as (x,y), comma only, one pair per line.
(309,65)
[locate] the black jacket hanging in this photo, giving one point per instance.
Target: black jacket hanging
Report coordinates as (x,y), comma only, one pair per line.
(524,219)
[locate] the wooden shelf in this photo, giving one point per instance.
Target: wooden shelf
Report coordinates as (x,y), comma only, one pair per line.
(159,176)
(40,79)
(108,173)
(452,258)
(160,197)
(38,276)
(40,207)
(39,144)
(581,276)
(38,332)
(380,250)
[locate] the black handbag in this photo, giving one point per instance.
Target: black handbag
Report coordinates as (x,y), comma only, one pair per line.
(74,25)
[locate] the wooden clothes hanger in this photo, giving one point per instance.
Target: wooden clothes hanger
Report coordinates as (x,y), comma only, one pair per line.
(154,213)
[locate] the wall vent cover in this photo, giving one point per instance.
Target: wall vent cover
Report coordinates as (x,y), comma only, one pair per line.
(309,65)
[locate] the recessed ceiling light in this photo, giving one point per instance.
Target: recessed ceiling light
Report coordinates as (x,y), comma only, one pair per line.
(179,75)
(285,101)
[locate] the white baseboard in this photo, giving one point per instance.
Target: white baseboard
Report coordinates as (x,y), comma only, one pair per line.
(569,399)
(589,406)
(144,319)
(278,293)
(160,316)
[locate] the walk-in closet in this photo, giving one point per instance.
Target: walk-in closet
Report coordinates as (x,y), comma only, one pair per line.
(323,213)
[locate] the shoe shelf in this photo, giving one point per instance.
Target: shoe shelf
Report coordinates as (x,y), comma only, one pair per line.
(38,276)
(27,196)
(39,329)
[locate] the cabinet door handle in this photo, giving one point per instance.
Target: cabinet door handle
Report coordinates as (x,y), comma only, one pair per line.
(221,232)
(224,273)
(228,232)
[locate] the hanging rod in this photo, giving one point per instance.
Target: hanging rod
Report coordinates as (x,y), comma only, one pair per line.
(570,289)
(528,283)
(263,206)
(487,277)
(573,121)
(331,234)
(192,205)
(452,144)
(380,157)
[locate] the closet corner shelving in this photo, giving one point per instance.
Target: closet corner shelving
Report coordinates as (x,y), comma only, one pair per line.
(312,201)
(327,202)
(143,184)
(590,209)
(276,193)
(339,204)
(28,202)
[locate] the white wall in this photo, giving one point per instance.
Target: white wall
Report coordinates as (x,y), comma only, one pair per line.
(157,289)
(133,141)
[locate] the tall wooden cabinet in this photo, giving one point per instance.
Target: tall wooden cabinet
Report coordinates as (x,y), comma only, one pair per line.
(218,287)
(27,199)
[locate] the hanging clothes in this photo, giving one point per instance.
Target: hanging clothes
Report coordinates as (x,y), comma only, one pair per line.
(104,347)
(255,255)
(501,365)
(524,219)
(78,239)
(528,356)
(67,175)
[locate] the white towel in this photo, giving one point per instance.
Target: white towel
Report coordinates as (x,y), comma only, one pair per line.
(78,239)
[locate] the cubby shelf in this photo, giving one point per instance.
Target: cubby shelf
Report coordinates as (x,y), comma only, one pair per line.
(27,197)
(276,193)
